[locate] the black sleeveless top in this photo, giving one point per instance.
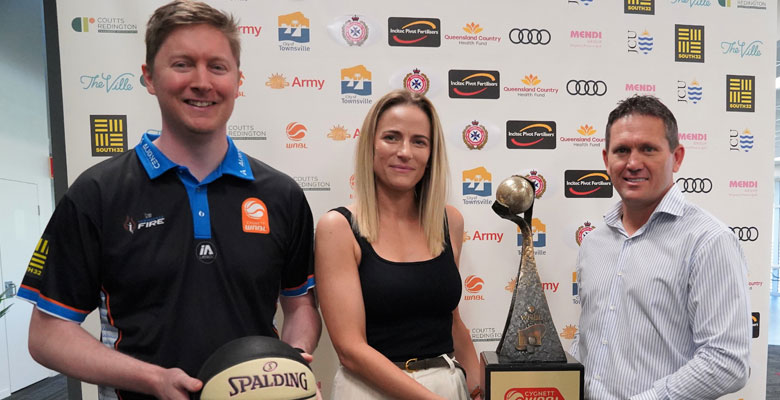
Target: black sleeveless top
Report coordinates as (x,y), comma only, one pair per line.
(408,305)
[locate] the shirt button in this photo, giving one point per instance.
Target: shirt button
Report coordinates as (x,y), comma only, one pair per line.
(604,341)
(620,274)
(201,214)
(597,377)
(612,308)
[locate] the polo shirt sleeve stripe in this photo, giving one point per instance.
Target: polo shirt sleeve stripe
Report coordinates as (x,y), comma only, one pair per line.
(300,289)
(50,306)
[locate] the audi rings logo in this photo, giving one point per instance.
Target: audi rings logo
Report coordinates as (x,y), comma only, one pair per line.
(745,233)
(694,185)
(578,87)
(529,36)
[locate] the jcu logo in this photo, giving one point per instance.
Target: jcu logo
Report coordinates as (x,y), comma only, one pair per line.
(689,92)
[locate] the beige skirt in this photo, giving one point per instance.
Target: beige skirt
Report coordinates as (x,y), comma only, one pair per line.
(448,382)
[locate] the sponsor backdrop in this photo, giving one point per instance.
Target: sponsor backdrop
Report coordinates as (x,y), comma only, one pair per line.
(522,88)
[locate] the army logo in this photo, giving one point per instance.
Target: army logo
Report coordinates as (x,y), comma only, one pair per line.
(582,232)
(416,82)
(540,184)
(475,136)
(338,133)
(355,31)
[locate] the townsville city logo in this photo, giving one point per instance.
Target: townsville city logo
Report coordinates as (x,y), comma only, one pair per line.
(689,43)
(414,32)
(587,184)
(293,32)
(740,93)
(356,85)
(477,186)
(646,7)
(474,84)
(530,135)
(109,134)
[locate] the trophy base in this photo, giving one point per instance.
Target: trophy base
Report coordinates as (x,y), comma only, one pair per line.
(556,380)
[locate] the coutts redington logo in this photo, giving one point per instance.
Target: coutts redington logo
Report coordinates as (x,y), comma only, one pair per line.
(587,183)
(543,393)
(530,135)
(414,32)
(473,84)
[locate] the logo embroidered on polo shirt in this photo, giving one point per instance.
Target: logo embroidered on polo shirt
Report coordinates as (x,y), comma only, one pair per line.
(254,216)
(206,252)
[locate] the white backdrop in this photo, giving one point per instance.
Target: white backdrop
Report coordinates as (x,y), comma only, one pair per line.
(527,55)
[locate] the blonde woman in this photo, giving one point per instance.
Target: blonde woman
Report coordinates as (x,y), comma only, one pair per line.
(387,266)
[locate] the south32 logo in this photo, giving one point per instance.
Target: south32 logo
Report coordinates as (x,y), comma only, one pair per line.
(694,185)
(581,87)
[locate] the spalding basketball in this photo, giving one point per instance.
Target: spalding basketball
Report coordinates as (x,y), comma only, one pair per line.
(256,367)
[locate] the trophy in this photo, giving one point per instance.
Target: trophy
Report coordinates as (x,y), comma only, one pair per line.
(529,358)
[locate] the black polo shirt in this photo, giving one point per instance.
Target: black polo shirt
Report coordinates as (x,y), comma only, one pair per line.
(177,267)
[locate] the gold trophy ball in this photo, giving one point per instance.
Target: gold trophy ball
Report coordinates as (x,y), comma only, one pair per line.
(516,193)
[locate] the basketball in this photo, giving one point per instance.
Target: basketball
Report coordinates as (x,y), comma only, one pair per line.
(256,367)
(296,131)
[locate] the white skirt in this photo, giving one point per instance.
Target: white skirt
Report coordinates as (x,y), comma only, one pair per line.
(448,382)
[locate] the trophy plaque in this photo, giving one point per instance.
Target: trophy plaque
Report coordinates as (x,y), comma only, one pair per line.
(529,361)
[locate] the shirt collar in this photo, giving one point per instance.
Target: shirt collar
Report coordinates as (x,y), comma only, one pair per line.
(672,203)
(156,163)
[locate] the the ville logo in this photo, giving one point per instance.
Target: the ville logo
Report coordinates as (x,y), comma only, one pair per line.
(756,324)
(530,135)
(415,32)
(587,184)
(569,332)
(250,30)
(312,183)
(692,92)
(473,285)
(639,43)
(355,84)
(477,186)
(339,133)
(109,134)
(693,140)
(585,39)
(689,43)
(582,87)
(148,221)
(578,2)
(103,25)
(536,36)
(417,82)
(354,31)
(745,233)
(586,137)
(740,141)
(475,136)
(474,84)
(254,216)
(546,393)
(107,82)
(740,93)
(692,3)
(293,31)
(295,132)
(583,231)
(646,7)
(538,236)
(742,48)
(531,87)
(473,36)
(245,132)
(754,4)
(743,188)
(278,81)
(643,88)
(694,185)
(540,184)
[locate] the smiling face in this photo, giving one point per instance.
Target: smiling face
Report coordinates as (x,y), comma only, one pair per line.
(402,147)
(639,161)
(195,79)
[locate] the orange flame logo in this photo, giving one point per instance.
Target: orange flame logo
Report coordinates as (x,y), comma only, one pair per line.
(472,28)
(531,80)
(586,130)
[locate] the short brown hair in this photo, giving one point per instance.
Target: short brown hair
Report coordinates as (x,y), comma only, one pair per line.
(180,13)
(648,106)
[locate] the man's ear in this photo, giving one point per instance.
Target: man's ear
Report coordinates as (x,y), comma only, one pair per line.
(147,73)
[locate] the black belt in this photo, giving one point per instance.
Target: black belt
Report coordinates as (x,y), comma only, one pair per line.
(413,364)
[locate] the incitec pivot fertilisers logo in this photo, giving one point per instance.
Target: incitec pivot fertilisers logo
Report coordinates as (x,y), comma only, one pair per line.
(587,184)
(546,393)
(530,135)
(103,25)
(646,7)
(474,84)
(740,93)
(109,134)
(689,43)
(414,32)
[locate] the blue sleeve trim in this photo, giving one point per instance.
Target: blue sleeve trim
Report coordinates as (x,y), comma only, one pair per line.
(50,307)
(299,290)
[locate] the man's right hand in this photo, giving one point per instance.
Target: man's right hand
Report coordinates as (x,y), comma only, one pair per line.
(175,384)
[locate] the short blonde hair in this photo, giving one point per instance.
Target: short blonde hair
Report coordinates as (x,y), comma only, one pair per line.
(430,192)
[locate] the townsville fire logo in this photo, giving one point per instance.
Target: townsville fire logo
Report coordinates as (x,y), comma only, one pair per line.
(540,184)
(354,31)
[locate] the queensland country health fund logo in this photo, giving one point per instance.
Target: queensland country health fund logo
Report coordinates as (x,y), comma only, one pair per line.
(689,43)
(580,183)
(356,85)
(531,135)
(474,84)
(477,186)
(413,32)
(740,93)
(109,134)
